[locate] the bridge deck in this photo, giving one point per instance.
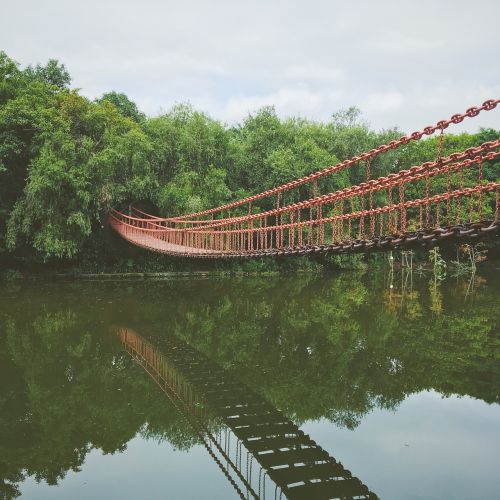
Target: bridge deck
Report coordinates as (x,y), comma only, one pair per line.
(156,244)
(152,240)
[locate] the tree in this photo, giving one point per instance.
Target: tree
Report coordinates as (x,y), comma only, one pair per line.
(91,158)
(53,74)
(124,105)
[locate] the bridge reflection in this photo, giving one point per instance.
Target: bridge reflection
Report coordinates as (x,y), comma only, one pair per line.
(260,451)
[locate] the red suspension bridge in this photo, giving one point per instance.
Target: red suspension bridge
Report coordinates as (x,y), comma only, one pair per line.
(384,212)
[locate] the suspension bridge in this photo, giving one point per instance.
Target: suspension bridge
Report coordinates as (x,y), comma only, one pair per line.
(261,452)
(442,200)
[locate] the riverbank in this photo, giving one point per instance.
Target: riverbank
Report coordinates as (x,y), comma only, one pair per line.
(132,263)
(433,265)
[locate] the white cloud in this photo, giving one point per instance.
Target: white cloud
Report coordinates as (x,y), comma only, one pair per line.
(402,63)
(298,101)
(314,73)
(377,102)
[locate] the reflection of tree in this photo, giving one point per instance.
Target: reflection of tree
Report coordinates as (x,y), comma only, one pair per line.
(66,391)
(338,337)
(330,347)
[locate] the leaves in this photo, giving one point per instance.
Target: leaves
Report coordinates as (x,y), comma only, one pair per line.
(66,160)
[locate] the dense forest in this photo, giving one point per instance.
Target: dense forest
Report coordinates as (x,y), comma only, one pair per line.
(65,160)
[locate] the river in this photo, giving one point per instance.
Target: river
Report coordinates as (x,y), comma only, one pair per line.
(123,389)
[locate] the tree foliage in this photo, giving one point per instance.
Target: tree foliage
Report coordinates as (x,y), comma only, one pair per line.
(65,160)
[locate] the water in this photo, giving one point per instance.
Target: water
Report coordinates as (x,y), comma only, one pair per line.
(395,377)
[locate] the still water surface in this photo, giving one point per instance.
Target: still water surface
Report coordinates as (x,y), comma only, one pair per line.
(130,389)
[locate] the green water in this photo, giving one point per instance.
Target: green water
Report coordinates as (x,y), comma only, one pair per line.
(396,377)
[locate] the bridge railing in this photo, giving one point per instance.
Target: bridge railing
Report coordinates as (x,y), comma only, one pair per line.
(455,194)
(446,180)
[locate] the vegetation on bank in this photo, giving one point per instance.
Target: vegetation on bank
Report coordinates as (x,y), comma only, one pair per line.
(65,160)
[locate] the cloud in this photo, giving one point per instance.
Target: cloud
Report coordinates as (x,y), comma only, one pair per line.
(408,65)
(377,102)
(298,101)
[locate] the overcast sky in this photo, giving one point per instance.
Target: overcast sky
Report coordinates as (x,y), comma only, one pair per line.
(403,63)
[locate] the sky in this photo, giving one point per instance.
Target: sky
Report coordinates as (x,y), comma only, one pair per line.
(404,64)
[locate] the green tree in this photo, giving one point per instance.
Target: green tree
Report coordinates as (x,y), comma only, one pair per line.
(90,158)
(124,105)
